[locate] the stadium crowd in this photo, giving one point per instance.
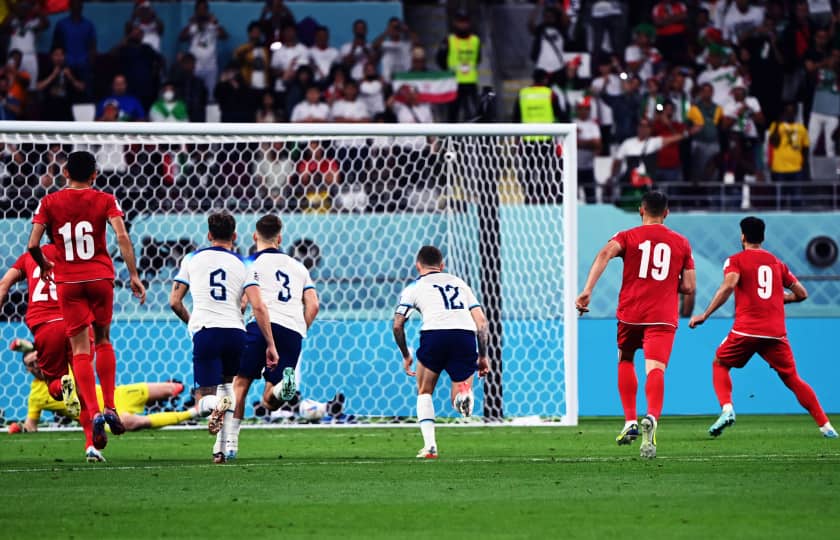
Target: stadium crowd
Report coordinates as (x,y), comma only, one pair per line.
(689,91)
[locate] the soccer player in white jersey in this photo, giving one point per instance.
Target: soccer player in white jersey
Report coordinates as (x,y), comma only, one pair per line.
(452,322)
(216,279)
(292,302)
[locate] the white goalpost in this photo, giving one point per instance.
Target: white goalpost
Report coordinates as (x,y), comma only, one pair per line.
(357,202)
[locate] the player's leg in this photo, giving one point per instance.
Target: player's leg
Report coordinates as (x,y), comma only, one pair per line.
(426,382)
(657,344)
(733,352)
(463,361)
(207,372)
(231,364)
(629,339)
(101,297)
(280,385)
(462,396)
(778,354)
(54,357)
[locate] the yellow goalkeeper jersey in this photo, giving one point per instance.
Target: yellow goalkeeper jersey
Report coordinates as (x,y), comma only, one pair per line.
(129,398)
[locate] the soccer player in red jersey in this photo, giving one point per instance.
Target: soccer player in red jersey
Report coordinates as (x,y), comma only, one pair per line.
(758,280)
(44,320)
(83,271)
(657,267)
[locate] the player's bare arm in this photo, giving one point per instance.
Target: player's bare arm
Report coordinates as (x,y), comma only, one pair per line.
(127,252)
(13,275)
(311,306)
(264,322)
(34,247)
(721,296)
(30,425)
(399,338)
(611,250)
(176,301)
(688,282)
(482,335)
(797,293)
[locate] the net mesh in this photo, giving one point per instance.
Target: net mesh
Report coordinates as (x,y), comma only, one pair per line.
(355,211)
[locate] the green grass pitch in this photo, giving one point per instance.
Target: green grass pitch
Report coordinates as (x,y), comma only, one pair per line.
(767,477)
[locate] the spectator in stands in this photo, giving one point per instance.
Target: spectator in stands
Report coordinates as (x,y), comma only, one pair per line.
(742,119)
(203,32)
(319,178)
(670,17)
(140,65)
(19,81)
(589,146)
(253,59)
(461,54)
(642,58)
(286,59)
(607,21)
(393,48)
(626,107)
(110,111)
(548,45)
(22,26)
(10,108)
(605,86)
(762,57)
(236,101)
(267,113)
(651,97)
(296,88)
(335,90)
(678,90)
(275,171)
(58,88)
(322,57)
(191,89)
(274,18)
(720,73)
(818,56)
(418,59)
(311,109)
(128,107)
(77,36)
(705,145)
(741,20)
(669,165)
(146,20)
(349,109)
(372,91)
(356,53)
(825,111)
(789,144)
(168,108)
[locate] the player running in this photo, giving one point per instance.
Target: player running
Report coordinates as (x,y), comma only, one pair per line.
(216,279)
(759,281)
(657,266)
(289,294)
(452,323)
(84,273)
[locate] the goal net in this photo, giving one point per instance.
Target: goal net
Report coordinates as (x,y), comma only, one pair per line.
(357,202)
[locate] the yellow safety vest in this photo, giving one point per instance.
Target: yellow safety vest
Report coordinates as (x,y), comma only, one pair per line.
(535,108)
(463,58)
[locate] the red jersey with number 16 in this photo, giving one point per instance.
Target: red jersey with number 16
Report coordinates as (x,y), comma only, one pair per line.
(42,301)
(654,260)
(760,293)
(77,219)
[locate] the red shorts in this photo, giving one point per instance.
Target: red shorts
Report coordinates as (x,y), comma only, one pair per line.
(736,350)
(85,303)
(54,352)
(656,340)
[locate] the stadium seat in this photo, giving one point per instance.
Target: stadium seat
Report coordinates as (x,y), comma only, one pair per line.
(84,112)
(214,114)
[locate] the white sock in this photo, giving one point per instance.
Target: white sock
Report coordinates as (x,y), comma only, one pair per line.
(275,391)
(206,405)
(219,445)
(232,425)
(727,407)
(827,427)
(426,418)
(628,423)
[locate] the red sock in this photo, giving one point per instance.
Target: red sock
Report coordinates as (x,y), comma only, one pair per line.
(86,420)
(627,388)
(106,369)
(807,398)
(54,388)
(655,392)
(722,383)
(85,382)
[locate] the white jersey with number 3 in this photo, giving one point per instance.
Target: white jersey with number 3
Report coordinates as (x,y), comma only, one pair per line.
(282,281)
(217,279)
(442,299)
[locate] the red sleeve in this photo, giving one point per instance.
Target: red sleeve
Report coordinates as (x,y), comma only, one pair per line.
(113,208)
(621,238)
(20,264)
(731,265)
(41,213)
(788,278)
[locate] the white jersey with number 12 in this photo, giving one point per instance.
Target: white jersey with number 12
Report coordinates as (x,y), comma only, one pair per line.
(442,299)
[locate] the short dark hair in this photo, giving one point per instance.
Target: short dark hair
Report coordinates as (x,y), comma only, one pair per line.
(269,227)
(753,229)
(655,203)
(81,165)
(429,256)
(221,225)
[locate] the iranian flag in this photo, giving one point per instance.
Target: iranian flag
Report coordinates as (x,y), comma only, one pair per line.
(431,86)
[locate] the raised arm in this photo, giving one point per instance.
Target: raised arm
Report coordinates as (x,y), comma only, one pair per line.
(176,301)
(721,296)
(482,335)
(260,311)
(609,251)
(311,306)
(127,252)
(797,293)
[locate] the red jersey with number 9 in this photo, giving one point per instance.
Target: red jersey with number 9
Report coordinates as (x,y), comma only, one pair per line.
(77,219)
(760,293)
(42,302)
(654,260)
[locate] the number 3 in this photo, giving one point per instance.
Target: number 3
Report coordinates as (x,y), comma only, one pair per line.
(765,282)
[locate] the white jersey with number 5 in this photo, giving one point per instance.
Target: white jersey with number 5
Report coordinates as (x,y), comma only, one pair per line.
(282,281)
(442,299)
(217,279)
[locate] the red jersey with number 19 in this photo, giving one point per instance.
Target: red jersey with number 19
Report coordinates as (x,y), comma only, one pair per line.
(760,293)
(77,219)
(42,303)
(654,260)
